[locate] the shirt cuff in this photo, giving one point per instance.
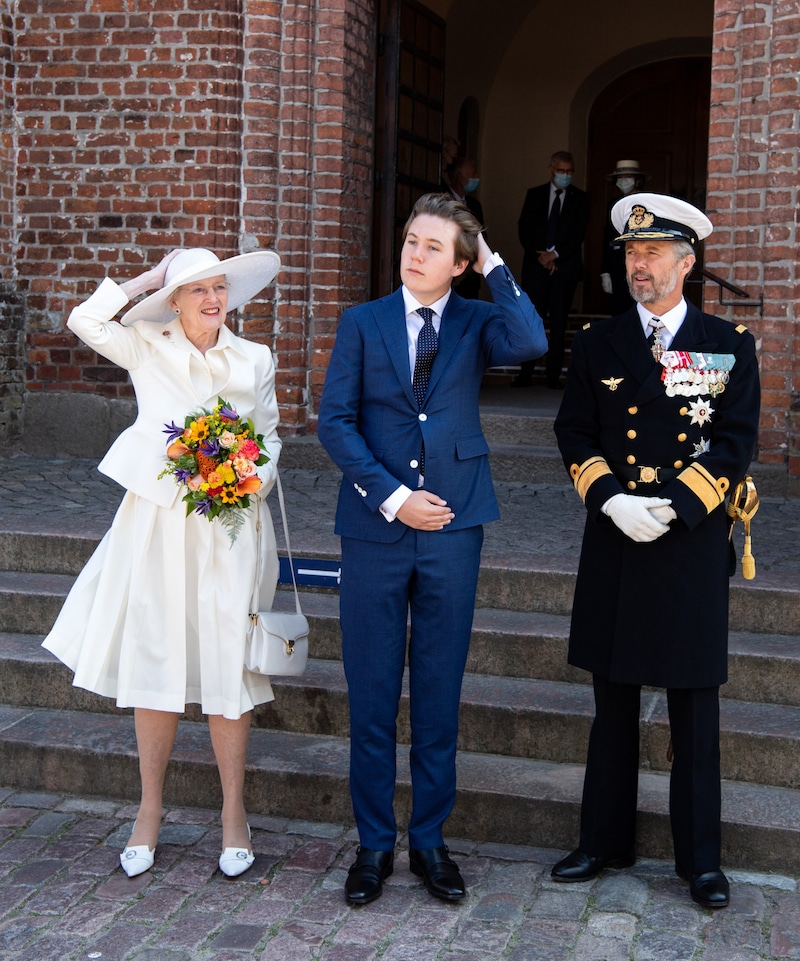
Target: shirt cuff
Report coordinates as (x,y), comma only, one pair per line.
(492,261)
(394,502)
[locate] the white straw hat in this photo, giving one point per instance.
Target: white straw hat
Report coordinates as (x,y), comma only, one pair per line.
(246,275)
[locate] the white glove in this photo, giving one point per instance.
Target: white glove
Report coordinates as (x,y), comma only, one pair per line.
(664,514)
(636,516)
(605,280)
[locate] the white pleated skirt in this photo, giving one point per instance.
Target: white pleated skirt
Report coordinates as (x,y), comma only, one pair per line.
(158,616)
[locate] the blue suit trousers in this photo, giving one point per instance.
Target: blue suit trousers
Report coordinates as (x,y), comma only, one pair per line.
(433,577)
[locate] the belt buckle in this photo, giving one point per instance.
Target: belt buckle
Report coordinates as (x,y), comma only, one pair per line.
(648,474)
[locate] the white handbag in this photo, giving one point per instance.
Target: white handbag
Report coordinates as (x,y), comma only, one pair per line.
(277,642)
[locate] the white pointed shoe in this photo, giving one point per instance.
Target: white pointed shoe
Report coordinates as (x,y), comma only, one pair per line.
(235,861)
(137,860)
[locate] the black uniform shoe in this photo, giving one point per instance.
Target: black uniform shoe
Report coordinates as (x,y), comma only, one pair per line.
(441,876)
(366,876)
(583,867)
(710,889)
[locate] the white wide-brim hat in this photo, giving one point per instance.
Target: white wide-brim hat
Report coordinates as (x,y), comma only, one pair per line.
(658,217)
(246,275)
(627,168)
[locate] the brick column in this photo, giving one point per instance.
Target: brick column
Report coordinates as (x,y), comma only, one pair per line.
(11,303)
(307,174)
(753,198)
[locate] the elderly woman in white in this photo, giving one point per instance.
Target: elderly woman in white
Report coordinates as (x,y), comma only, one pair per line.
(158,617)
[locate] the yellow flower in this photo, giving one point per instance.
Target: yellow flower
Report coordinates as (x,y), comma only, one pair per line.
(198,429)
(229,495)
(227,473)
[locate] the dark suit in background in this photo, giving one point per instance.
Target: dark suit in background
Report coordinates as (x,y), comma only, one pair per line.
(552,293)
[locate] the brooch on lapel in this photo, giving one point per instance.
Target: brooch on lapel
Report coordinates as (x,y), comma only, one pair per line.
(612,383)
(166,333)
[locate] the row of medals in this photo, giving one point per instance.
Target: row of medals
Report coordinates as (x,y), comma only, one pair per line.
(690,382)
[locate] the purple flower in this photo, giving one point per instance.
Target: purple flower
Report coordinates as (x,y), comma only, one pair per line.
(203,507)
(182,475)
(173,430)
(228,413)
(210,447)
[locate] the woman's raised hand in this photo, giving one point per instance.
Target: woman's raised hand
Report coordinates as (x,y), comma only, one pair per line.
(152,279)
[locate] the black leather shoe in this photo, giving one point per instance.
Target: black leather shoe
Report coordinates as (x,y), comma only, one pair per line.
(366,876)
(440,875)
(710,889)
(583,867)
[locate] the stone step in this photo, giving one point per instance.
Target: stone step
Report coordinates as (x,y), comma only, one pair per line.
(516,717)
(763,665)
(500,799)
(768,605)
(521,449)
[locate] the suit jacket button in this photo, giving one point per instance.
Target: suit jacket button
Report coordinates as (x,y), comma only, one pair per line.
(413,463)
(631,434)
(423,416)
(681,437)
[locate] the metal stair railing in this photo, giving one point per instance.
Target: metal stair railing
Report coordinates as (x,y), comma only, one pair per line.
(745,298)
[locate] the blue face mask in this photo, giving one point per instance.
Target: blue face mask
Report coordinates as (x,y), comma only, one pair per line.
(471,185)
(562,180)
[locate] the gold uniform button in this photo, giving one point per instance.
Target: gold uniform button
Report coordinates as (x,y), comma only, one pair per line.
(631,434)
(630,459)
(681,437)
(632,485)
(633,410)
(678,464)
(684,411)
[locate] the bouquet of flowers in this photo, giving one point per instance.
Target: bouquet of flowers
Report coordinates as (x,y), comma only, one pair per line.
(215,455)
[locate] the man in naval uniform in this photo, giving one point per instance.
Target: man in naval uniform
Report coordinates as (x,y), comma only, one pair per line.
(654,435)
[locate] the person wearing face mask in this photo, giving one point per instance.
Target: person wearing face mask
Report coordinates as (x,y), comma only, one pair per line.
(551,227)
(464,182)
(629,179)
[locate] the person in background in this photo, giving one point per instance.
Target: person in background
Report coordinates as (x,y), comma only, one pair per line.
(629,179)
(449,154)
(464,182)
(158,617)
(552,226)
(399,416)
(658,423)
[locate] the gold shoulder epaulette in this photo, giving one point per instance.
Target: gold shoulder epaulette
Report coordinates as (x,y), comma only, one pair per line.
(740,328)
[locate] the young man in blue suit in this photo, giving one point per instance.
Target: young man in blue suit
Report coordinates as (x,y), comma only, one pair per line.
(400,417)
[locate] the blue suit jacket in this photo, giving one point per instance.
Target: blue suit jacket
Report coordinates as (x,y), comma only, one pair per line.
(371,426)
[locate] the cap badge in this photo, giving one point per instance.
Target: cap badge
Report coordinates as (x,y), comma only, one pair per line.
(640,218)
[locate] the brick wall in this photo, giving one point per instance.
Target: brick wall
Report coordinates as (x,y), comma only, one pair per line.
(11,303)
(231,125)
(753,197)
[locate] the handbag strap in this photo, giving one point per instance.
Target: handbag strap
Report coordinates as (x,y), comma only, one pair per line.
(254,599)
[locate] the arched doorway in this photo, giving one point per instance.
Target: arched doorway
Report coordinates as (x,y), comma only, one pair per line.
(656,114)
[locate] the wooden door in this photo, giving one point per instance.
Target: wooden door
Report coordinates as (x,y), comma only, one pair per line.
(658,115)
(408,126)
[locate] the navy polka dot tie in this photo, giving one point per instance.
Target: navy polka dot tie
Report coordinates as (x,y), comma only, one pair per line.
(427,345)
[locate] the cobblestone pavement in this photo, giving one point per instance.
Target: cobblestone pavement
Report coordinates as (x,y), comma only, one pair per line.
(63,897)
(537,521)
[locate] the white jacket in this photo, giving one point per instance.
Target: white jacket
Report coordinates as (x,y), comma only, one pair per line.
(171,378)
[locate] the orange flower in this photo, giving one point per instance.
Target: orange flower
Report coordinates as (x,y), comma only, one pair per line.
(177,449)
(248,486)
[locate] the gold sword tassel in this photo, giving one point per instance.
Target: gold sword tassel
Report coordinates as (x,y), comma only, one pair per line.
(742,506)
